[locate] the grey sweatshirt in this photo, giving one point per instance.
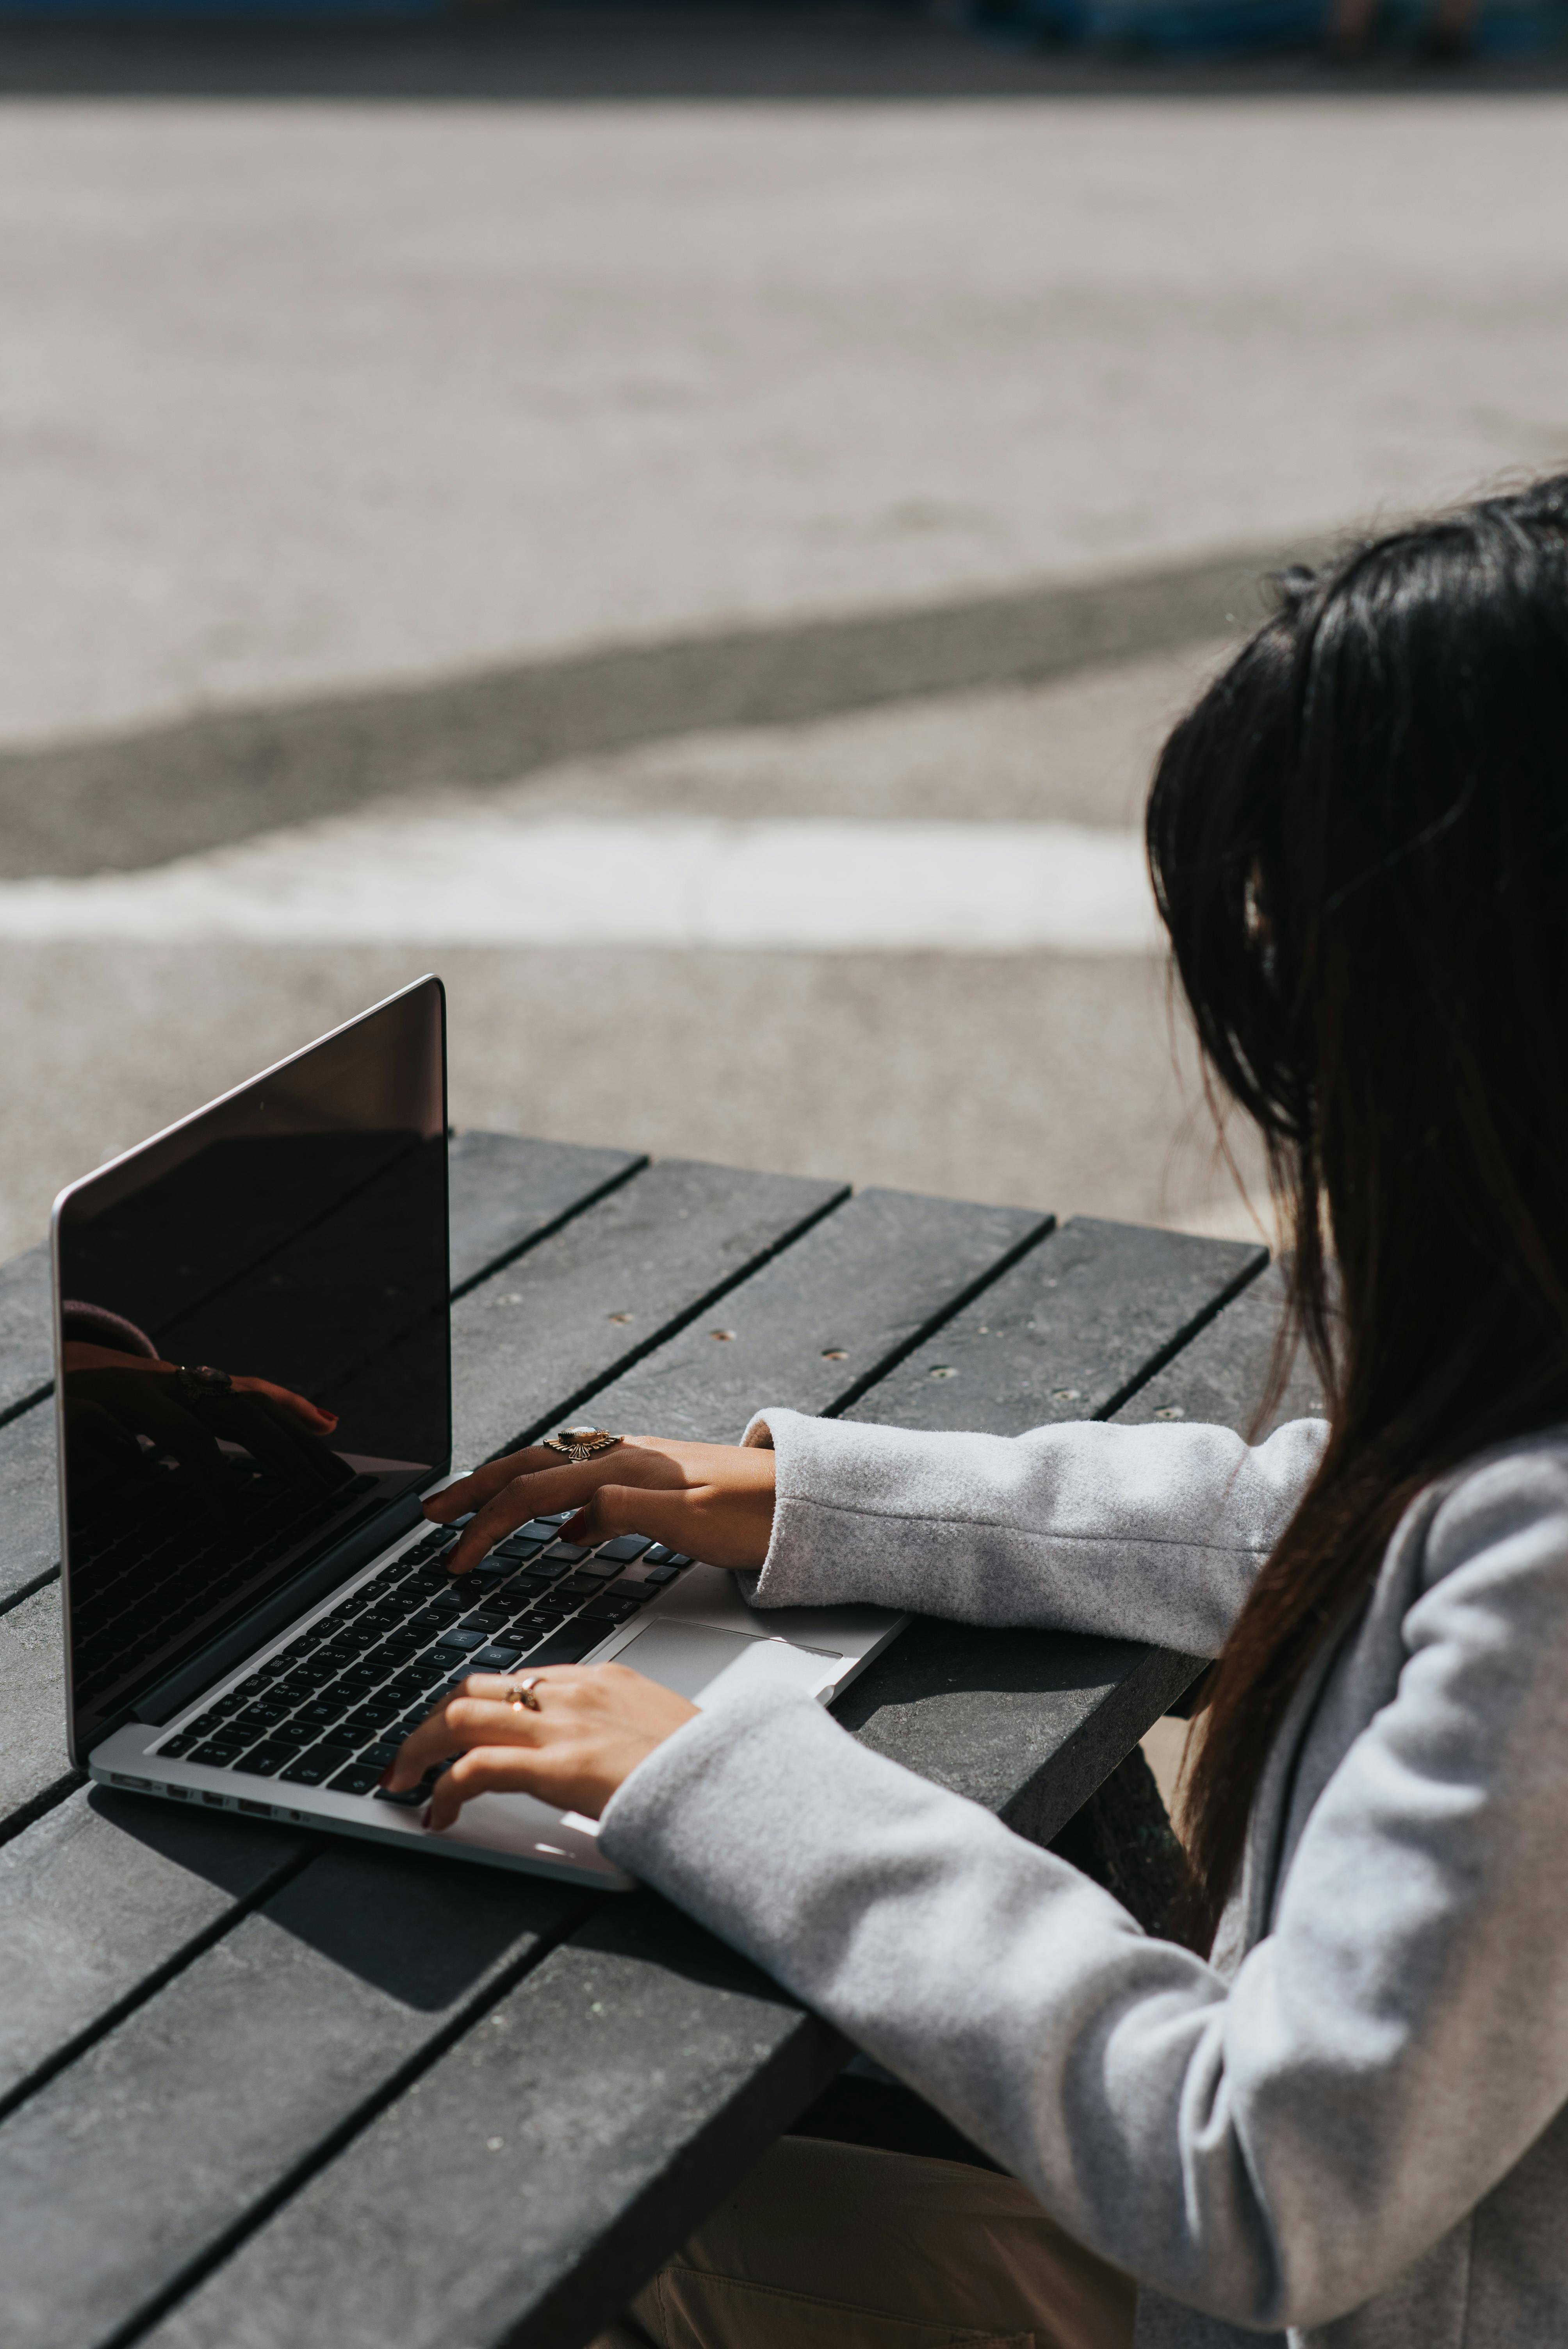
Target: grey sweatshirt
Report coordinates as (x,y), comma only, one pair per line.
(1347,2127)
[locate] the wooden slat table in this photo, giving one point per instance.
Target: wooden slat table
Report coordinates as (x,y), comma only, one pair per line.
(263,2090)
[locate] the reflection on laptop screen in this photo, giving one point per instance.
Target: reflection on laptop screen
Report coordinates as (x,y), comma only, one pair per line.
(293,1236)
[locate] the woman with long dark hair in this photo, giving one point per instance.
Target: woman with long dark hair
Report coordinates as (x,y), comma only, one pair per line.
(1342,2113)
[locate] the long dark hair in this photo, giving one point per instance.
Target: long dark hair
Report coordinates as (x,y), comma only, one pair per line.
(1359,845)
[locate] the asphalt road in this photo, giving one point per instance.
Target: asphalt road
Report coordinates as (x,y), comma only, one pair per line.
(833,420)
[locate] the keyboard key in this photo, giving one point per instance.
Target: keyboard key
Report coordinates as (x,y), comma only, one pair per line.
(180,1744)
(266,1761)
(359,1778)
(625,1547)
(413,1798)
(659,1575)
(312,1769)
(660,1555)
(321,1709)
(219,1753)
(570,1551)
(382,1754)
(459,1638)
(484,1618)
(495,1659)
(518,1548)
(569,1646)
(549,1569)
(257,1717)
(607,1610)
(578,1586)
(601,1568)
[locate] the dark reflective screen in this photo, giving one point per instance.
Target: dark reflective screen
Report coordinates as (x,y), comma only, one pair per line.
(293,1240)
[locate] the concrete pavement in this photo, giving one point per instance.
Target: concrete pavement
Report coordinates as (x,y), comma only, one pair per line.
(355,398)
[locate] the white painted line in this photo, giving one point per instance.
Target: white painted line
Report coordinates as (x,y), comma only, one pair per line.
(476,876)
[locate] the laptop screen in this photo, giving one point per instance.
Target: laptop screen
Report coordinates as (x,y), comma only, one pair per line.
(254,1350)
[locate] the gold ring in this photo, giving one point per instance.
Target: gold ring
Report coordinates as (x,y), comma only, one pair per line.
(520,1696)
(580,1443)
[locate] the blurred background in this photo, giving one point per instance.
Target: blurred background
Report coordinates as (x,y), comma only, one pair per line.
(692,523)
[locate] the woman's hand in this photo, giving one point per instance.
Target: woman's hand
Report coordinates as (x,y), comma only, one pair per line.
(595,1722)
(81,1354)
(714,1501)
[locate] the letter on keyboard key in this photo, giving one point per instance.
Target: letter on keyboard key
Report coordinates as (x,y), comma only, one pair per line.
(497,1658)
(359,1778)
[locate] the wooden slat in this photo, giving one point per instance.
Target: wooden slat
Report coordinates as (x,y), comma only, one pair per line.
(26,1343)
(136,2160)
(663,2034)
(534,1340)
(1222,1377)
(29,1510)
(1067,1332)
(1025,1722)
(34,1769)
(692,1219)
(505,1191)
(812,1327)
(69,1955)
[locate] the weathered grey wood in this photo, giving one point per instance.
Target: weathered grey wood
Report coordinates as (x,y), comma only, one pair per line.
(29,1511)
(534,1341)
(34,1769)
(693,1220)
(80,1931)
(133,2162)
(816,1323)
(1067,1333)
(467,2214)
(27,1343)
(1025,1722)
(968,1240)
(1222,1377)
(506,1190)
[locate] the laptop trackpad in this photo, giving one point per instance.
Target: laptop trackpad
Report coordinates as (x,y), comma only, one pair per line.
(691,1658)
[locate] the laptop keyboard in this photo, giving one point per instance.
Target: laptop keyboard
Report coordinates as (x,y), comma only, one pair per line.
(333,1708)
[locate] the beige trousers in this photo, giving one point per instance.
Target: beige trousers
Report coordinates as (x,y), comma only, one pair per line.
(828,2245)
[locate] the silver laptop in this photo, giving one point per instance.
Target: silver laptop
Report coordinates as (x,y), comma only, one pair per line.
(253,1392)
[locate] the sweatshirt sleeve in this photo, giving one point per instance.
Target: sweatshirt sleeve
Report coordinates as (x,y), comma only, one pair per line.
(1145,1533)
(1274,2150)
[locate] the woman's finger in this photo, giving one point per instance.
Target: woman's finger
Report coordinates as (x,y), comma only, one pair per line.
(475,1713)
(491,1770)
(473,1491)
(568,1484)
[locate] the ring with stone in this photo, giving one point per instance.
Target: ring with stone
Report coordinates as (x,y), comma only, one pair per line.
(580,1443)
(521,1697)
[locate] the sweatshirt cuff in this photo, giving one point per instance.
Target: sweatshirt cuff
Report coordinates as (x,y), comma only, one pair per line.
(840,1491)
(693,1809)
